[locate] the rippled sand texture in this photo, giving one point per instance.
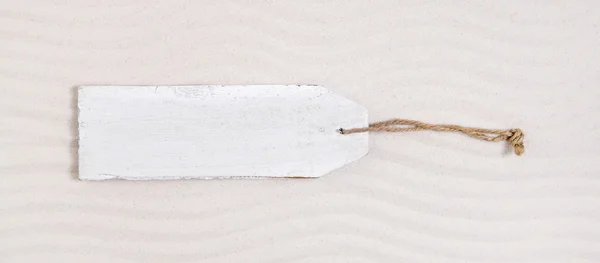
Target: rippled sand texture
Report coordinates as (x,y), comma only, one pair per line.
(417,197)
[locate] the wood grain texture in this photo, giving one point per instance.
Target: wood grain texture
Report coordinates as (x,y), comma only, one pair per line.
(417,197)
(207,132)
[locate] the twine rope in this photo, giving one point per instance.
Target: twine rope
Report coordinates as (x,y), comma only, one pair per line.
(512,136)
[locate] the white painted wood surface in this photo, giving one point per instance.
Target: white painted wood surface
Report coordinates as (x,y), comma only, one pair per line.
(416,197)
(184,132)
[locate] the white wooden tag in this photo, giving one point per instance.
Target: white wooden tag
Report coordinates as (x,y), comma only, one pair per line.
(186,132)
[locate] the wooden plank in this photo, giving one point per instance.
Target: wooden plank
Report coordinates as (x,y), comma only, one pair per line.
(185,132)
